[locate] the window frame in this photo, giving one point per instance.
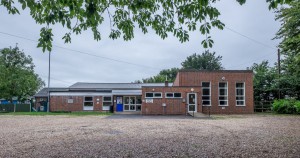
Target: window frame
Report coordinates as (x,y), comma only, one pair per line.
(153,94)
(206,95)
(92,101)
(222,95)
(173,94)
(103,101)
(244,95)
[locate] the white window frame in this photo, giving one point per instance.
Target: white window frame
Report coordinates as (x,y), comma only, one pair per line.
(206,95)
(153,94)
(173,93)
(222,95)
(85,107)
(244,96)
(111,98)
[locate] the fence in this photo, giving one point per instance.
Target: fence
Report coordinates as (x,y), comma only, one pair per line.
(15,108)
(263,106)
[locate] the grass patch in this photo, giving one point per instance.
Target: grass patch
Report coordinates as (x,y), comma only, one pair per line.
(84,113)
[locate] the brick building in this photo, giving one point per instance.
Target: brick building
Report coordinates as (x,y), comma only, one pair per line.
(217,92)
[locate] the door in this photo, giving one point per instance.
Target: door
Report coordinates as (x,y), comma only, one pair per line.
(192,102)
(119,104)
(129,103)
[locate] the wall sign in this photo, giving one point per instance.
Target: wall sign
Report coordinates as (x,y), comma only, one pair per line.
(149,100)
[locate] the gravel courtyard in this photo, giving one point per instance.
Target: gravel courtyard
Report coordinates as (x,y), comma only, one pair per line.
(149,136)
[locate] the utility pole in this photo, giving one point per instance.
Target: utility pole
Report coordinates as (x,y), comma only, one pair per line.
(279,69)
(279,62)
(48,106)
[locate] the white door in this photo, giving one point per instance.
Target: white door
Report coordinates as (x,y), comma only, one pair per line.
(192,102)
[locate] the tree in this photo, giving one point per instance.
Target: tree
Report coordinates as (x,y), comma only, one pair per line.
(205,61)
(17,77)
(289,33)
(169,74)
(163,16)
(265,81)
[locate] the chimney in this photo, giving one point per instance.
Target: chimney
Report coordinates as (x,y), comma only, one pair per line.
(166,83)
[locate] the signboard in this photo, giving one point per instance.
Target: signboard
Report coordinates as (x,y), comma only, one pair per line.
(149,100)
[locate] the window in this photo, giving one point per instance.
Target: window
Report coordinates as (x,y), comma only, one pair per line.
(107,101)
(206,93)
(223,94)
(173,95)
(88,101)
(153,95)
(240,94)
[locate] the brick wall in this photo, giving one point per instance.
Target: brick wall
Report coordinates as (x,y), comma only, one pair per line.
(60,103)
(194,78)
(173,105)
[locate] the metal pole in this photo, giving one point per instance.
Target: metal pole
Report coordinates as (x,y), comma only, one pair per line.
(48,106)
(278,72)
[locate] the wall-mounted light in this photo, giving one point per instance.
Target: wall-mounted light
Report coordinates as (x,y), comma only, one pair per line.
(153,90)
(223,78)
(192,89)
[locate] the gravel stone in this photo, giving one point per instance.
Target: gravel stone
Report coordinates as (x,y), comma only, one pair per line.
(150,136)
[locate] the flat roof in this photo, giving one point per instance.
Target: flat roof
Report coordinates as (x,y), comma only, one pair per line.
(217,71)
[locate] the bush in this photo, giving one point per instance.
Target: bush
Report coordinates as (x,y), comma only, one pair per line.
(297,105)
(286,106)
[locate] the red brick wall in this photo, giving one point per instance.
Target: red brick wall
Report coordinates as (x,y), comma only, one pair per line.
(60,103)
(173,105)
(194,78)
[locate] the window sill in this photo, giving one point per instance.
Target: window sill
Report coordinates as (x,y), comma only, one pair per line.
(206,105)
(240,105)
(222,105)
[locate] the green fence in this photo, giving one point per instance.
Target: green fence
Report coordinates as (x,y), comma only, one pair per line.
(15,108)
(263,106)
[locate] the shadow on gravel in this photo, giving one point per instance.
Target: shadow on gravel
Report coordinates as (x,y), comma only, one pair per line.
(138,116)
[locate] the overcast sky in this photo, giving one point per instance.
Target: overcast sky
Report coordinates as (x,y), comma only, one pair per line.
(145,55)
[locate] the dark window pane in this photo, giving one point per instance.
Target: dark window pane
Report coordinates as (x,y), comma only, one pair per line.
(240,85)
(223,102)
(126,100)
(191,107)
(222,98)
(88,98)
(132,100)
(132,107)
(206,102)
(107,98)
(88,103)
(240,103)
(222,84)
(138,107)
(205,84)
(157,94)
(126,107)
(150,95)
(205,92)
(177,95)
(192,98)
(239,98)
(223,91)
(205,97)
(239,91)
(169,95)
(139,100)
(107,103)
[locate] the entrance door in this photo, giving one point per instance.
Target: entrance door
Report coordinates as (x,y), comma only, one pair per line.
(119,104)
(192,102)
(129,103)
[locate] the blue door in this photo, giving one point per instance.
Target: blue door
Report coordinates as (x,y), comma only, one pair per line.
(119,104)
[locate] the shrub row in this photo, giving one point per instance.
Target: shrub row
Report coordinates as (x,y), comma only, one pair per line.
(286,106)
